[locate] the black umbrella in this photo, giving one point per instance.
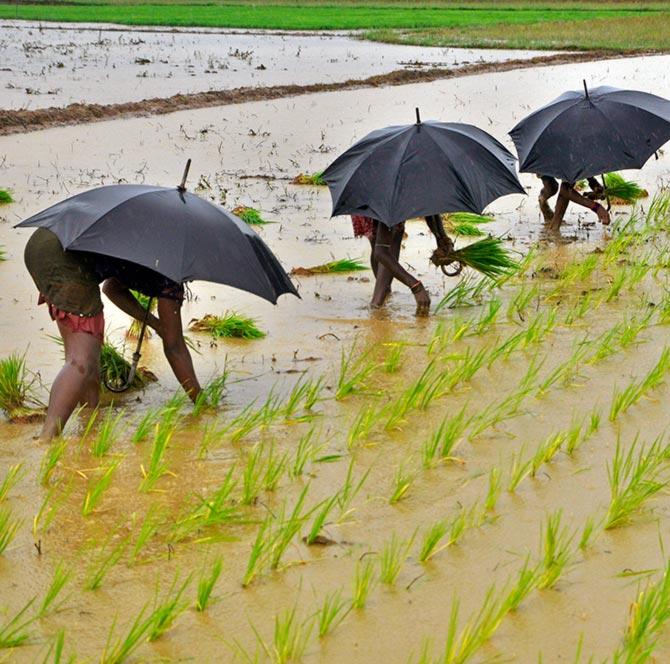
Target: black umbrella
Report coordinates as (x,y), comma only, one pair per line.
(416,170)
(169,230)
(585,133)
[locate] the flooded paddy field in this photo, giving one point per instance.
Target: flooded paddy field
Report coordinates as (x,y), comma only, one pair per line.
(46,65)
(371,482)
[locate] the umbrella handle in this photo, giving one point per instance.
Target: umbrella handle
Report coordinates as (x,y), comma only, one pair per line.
(182,186)
(136,355)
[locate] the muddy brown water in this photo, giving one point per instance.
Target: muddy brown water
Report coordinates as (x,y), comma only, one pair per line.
(276,140)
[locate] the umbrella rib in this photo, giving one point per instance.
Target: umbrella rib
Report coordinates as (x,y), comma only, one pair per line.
(394,196)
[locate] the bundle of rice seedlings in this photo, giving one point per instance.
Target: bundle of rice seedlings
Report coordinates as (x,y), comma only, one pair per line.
(17,390)
(341,265)
(620,191)
(487,256)
(136,326)
(114,368)
(5,197)
(249,215)
(314,178)
(229,325)
(465,223)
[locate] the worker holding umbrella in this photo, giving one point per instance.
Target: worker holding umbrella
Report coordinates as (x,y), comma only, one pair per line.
(152,239)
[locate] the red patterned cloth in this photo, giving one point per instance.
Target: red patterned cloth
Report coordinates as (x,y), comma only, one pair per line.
(94,325)
(364,226)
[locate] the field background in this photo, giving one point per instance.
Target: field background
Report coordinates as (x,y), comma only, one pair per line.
(622,26)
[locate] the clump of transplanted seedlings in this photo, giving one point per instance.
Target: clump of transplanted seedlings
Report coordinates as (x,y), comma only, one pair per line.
(305,451)
(212,394)
(332,612)
(634,478)
(61,576)
(206,584)
(648,616)
(9,527)
(442,442)
(18,398)
(167,610)
(392,558)
(519,470)
(13,632)
(149,528)
(319,522)
(314,178)
(289,640)
(275,465)
(114,368)
(432,538)
(362,425)
(249,215)
(14,474)
(354,371)
(364,581)
(589,533)
(556,550)
(5,197)
(230,325)
(493,489)
(104,563)
(98,488)
(393,359)
(118,649)
(338,266)
(402,481)
(466,224)
(107,433)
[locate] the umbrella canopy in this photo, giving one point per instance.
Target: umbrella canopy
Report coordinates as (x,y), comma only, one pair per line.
(590,132)
(406,171)
(168,230)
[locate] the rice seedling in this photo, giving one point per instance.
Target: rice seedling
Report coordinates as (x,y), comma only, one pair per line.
(249,215)
(288,528)
(648,616)
(230,325)
(107,434)
(578,270)
(5,197)
(524,297)
(632,327)
(252,476)
(53,500)
(617,283)
(519,470)
(620,191)
(144,427)
(313,393)
(136,326)
(290,637)
(444,439)
(55,652)
(305,452)
(259,549)
(98,488)
(487,317)
(527,580)
(634,478)
(465,224)
(362,425)
(589,532)
(99,567)
(13,632)
(402,481)
(354,372)
(546,451)
(339,266)
(470,364)
(410,397)
(575,436)
(147,531)
(274,469)
(314,178)
(444,337)
(332,612)
(605,345)
(555,550)
(212,394)
(349,490)
(493,489)
(119,649)
(60,577)
(157,467)
(393,359)
(17,387)
(14,475)
(364,581)
(564,373)
(9,527)
(320,519)
(431,540)
(295,398)
(166,611)
(496,413)
(468,292)
(206,583)
(578,310)
(392,558)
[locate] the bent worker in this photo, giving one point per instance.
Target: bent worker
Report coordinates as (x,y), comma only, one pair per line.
(68,282)
(566,193)
(386,250)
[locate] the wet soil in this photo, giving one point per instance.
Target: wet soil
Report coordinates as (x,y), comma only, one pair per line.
(273,141)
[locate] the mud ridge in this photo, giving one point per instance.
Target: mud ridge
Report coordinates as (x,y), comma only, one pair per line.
(19,121)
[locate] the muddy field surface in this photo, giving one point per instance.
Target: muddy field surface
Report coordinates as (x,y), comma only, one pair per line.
(487,431)
(52,65)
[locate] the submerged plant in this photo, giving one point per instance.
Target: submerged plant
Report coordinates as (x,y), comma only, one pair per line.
(230,325)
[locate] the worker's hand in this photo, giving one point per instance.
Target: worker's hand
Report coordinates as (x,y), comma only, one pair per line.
(603,215)
(422,300)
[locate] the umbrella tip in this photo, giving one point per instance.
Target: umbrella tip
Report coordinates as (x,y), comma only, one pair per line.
(418,117)
(182,186)
(586,90)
